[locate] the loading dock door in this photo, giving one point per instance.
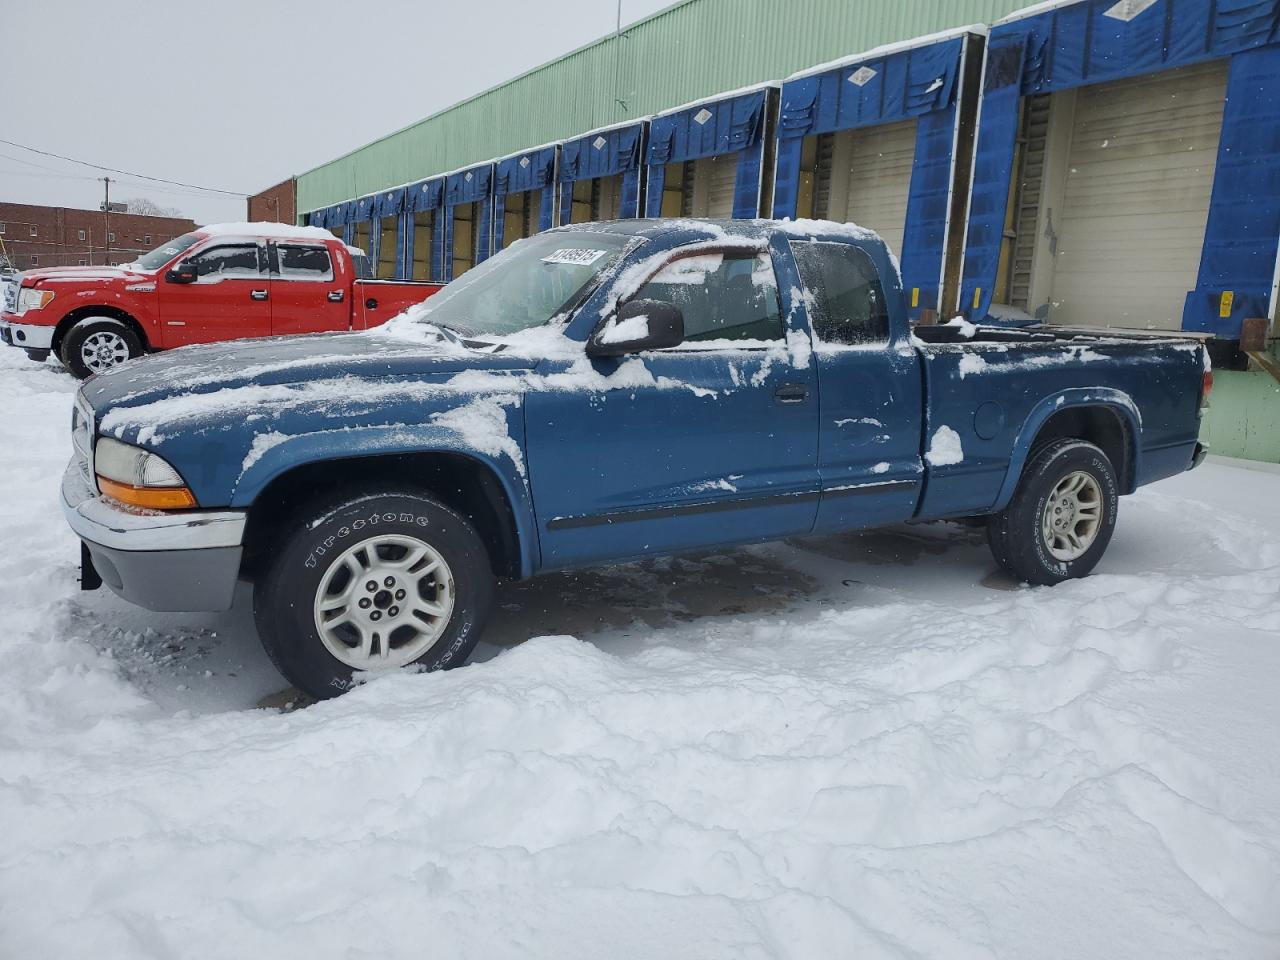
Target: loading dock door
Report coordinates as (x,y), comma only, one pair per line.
(861,176)
(1135,199)
(879,178)
(701,188)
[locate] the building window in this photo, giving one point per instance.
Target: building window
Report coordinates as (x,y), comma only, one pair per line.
(34,232)
(35,260)
(111,237)
(147,239)
(1,228)
(82,262)
(82,235)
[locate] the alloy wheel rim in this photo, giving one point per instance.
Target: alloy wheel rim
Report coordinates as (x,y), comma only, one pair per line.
(384,602)
(1072,516)
(103,350)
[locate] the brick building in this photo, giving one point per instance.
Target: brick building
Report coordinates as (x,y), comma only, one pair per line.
(278,204)
(35,236)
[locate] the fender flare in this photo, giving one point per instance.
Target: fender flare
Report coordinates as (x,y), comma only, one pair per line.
(1116,401)
(309,449)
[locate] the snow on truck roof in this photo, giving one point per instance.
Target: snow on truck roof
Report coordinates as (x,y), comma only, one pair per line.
(272,231)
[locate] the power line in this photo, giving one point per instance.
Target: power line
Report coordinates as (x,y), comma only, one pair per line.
(127,173)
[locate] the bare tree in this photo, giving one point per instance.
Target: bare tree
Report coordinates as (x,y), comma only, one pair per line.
(149,208)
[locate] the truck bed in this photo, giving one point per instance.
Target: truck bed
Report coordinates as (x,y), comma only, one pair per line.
(996,387)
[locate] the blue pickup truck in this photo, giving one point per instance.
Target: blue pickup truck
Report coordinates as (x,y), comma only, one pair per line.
(593,394)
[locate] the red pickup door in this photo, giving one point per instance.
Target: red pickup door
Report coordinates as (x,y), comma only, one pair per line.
(221,282)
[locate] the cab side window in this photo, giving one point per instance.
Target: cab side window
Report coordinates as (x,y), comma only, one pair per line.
(724,296)
(304,262)
(847,303)
(229,262)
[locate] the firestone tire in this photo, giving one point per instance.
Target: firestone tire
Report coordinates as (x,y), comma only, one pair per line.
(97,344)
(1025,537)
(326,543)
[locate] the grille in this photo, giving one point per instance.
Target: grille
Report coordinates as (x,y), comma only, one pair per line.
(10,295)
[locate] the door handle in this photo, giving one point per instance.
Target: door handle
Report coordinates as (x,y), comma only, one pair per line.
(257,294)
(335,296)
(371,304)
(792,393)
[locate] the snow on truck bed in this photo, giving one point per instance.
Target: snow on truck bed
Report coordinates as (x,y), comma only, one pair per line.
(850,746)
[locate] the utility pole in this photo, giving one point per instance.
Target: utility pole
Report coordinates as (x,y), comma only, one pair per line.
(106,220)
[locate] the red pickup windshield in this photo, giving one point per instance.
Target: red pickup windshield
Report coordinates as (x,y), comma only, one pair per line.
(162,254)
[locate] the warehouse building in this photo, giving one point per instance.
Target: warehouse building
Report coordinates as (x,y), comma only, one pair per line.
(1095,162)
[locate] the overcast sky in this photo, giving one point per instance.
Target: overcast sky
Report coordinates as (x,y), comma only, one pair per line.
(240,94)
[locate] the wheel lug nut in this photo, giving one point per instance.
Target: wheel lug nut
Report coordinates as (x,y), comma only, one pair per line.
(400,594)
(393,612)
(389,582)
(365,603)
(371,586)
(376,615)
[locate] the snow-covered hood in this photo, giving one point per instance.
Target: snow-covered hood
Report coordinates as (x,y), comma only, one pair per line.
(102,274)
(241,365)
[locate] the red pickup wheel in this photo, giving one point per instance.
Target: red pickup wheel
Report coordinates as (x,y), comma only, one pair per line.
(96,344)
(1061,517)
(378,582)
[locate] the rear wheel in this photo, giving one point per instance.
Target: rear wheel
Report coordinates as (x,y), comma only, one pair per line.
(1061,517)
(382,582)
(97,344)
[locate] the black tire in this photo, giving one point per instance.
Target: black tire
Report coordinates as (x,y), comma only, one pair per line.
(71,351)
(1015,534)
(284,597)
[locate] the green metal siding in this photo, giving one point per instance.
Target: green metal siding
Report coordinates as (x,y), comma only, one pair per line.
(691,50)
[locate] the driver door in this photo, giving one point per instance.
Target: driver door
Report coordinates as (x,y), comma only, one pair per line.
(228,300)
(711,442)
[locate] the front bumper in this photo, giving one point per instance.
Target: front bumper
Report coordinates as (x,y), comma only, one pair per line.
(162,561)
(29,336)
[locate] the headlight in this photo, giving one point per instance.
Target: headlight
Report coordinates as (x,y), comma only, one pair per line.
(31,299)
(138,477)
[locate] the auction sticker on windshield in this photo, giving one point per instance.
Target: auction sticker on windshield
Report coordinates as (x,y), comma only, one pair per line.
(580,257)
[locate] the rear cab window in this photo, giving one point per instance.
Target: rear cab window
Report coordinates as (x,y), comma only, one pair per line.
(846,303)
(303,262)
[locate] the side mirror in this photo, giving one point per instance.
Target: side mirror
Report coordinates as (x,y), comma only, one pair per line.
(639,325)
(184,272)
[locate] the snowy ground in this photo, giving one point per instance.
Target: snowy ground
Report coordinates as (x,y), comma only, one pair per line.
(860,746)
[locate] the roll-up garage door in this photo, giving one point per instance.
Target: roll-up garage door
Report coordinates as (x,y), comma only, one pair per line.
(1136,200)
(722,173)
(705,187)
(879,178)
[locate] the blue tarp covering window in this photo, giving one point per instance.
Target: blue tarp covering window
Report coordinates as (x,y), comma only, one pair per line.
(532,171)
(711,129)
(466,187)
(1092,42)
(921,82)
(603,154)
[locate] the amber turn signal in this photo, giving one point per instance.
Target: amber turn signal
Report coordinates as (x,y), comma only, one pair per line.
(149,498)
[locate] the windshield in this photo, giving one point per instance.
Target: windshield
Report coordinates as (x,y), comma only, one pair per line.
(162,254)
(525,285)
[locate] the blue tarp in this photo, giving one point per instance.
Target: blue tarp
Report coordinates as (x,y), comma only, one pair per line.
(531,171)
(419,198)
(711,129)
(1086,43)
(603,154)
(467,186)
(921,82)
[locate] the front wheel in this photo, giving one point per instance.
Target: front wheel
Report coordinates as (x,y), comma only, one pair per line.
(96,345)
(377,583)
(1061,517)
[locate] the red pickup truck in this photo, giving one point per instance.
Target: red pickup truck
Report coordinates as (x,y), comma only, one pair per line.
(220,282)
